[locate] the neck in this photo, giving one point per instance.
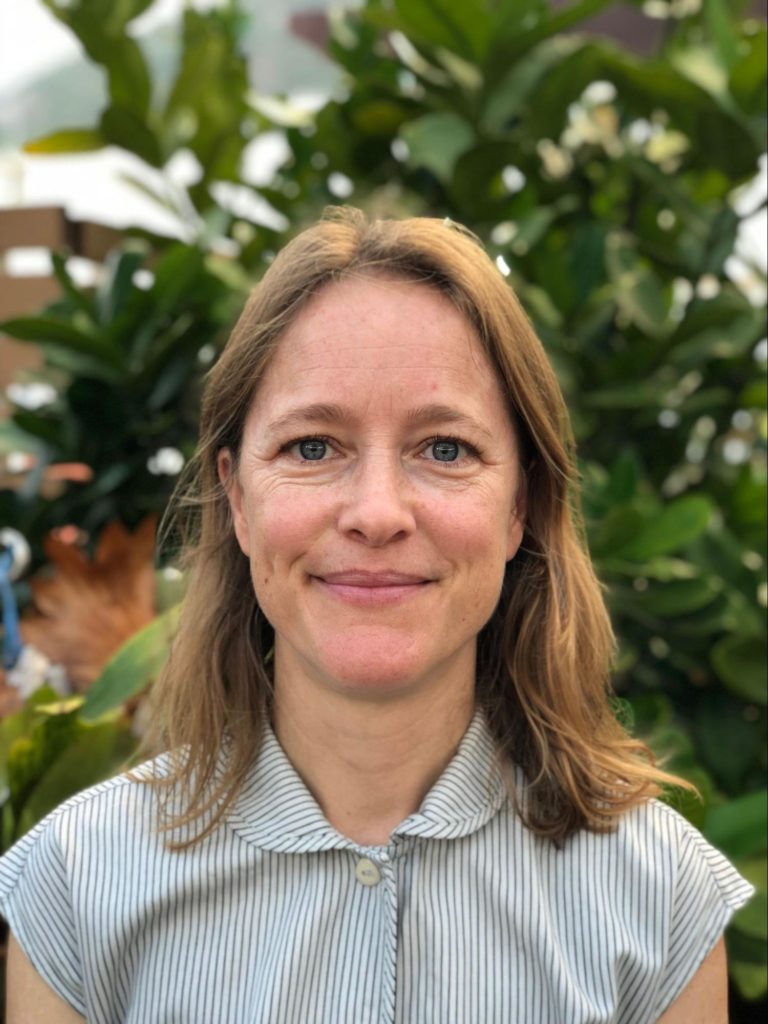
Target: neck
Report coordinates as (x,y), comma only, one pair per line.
(369,764)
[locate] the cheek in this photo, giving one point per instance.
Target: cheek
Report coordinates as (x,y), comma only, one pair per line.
(473,530)
(284,525)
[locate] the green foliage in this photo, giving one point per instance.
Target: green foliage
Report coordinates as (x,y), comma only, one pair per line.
(127,362)
(206,112)
(47,752)
(55,747)
(604,183)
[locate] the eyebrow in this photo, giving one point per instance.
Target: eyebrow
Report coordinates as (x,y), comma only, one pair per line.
(317,412)
(323,412)
(435,413)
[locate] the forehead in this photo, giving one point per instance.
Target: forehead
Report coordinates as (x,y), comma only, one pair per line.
(384,331)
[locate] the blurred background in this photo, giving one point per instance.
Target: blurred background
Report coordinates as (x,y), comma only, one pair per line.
(153,158)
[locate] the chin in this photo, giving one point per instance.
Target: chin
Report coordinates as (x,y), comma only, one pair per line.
(367,679)
(374,665)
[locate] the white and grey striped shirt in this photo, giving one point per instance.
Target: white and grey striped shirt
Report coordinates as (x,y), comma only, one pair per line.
(464,917)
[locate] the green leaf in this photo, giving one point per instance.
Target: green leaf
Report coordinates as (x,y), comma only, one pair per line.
(476,185)
(379,117)
(728,742)
(113,15)
(66,140)
(748,75)
(12,728)
(129,83)
(739,827)
(30,756)
(136,664)
(123,127)
(639,292)
(722,31)
(751,979)
(753,919)
(678,597)
(436,141)
(754,395)
(676,525)
(513,39)
(208,100)
(746,505)
(177,274)
(79,298)
(175,374)
(463,28)
(15,438)
(508,98)
(533,226)
(68,348)
(638,394)
(101,28)
(41,329)
(745,949)
(664,569)
(95,753)
(615,531)
(116,287)
(38,425)
(741,663)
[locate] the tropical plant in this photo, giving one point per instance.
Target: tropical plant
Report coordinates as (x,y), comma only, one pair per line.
(124,364)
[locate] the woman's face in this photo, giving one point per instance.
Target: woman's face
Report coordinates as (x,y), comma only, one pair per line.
(375,491)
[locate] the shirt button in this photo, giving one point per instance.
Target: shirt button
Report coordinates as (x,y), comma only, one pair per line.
(366,872)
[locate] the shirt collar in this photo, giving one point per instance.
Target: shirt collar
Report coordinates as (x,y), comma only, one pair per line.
(275,811)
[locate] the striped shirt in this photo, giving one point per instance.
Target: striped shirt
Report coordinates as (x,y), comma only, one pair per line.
(464,917)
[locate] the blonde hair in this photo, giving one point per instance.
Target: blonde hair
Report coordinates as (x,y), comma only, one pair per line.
(544,658)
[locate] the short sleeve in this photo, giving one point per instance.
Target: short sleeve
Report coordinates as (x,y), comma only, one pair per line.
(35,900)
(708,890)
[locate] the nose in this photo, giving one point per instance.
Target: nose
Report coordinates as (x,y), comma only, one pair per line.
(377,508)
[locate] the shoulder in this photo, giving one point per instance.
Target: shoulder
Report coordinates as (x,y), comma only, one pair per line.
(653,857)
(52,880)
(645,904)
(85,822)
(659,831)
(653,844)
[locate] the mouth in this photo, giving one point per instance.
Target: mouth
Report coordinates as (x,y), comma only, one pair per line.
(361,587)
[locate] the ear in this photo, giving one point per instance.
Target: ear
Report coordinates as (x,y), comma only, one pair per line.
(514,534)
(227,470)
(516,526)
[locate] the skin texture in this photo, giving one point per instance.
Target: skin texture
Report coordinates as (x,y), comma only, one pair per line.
(374,690)
(379,351)
(705,998)
(29,999)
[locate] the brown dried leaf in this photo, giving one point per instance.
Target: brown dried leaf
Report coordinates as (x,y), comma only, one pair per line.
(83,610)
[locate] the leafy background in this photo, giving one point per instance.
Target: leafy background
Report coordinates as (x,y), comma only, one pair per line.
(610,189)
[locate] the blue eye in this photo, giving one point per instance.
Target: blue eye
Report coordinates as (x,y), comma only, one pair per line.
(313,449)
(446,450)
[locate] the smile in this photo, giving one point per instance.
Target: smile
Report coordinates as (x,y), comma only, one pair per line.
(363,588)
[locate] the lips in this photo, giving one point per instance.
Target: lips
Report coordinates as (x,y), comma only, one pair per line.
(365,578)
(364,588)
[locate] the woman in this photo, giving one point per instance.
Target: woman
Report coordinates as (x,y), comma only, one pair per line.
(395,788)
